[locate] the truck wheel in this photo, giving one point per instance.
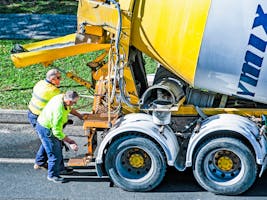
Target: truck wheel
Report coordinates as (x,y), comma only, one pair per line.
(135,163)
(225,166)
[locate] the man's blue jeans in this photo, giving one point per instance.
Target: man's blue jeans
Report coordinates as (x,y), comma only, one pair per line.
(32,118)
(53,149)
(41,157)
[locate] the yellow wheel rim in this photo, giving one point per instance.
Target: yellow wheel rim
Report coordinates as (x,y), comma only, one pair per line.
(225,163)
(136,160)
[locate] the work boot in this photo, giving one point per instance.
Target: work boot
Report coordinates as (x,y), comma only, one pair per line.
(43,167)
(56,179)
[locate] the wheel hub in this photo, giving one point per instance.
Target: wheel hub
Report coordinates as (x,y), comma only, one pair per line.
(136,160)
(225,163)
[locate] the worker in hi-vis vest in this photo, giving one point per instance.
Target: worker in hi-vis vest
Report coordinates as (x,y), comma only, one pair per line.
(43,91)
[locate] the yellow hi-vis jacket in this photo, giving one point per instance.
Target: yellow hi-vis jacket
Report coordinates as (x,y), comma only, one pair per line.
(54,116)
(43,91)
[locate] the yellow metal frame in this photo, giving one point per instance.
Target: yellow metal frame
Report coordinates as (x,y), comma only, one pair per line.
(46,43)
(54,49)
(96,13)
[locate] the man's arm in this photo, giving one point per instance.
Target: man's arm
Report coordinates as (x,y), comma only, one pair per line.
(68,140)
(76,113)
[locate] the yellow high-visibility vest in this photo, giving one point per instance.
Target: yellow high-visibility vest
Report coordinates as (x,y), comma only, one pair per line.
(43,91)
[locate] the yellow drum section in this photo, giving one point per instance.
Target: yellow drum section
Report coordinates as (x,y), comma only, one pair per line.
(171,32)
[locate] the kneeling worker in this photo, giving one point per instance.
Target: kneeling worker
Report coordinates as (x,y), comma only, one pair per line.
(50,130)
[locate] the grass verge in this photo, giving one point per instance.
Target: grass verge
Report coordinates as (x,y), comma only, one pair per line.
(16,84)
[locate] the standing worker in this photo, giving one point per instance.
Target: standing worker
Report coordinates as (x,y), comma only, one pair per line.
(43,91)
(50,130)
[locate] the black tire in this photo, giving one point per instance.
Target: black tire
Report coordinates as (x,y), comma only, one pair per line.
(135,163)
(225,166)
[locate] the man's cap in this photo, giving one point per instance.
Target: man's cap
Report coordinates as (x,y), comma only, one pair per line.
(71,95)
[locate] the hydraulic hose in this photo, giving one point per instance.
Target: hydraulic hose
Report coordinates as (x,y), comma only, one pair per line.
(117,40)
(123,97)
(118,72)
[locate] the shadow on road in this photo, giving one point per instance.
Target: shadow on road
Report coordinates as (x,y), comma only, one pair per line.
(259,188)
(174,181)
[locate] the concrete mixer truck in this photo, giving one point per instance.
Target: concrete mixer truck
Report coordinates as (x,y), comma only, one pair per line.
(206,106)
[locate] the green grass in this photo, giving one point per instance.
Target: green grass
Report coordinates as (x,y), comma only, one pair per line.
(16,84)
(39,6)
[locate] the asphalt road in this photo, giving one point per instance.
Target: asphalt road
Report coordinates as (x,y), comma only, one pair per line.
(18,179)
(36,26)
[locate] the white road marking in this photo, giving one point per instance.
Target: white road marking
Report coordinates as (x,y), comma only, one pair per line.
(17,160)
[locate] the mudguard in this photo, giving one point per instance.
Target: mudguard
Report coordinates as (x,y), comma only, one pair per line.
(232,123)
(143,124)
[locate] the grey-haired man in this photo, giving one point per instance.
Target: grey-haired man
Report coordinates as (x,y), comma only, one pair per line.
(50,130)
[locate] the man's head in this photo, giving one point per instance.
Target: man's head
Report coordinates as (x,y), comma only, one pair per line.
(54,77)
(70,98)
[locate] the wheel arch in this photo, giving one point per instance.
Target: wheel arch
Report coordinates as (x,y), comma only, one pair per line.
(142,125)
(228,125)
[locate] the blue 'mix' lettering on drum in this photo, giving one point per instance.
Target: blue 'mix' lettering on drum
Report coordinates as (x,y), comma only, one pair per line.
(252,66)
